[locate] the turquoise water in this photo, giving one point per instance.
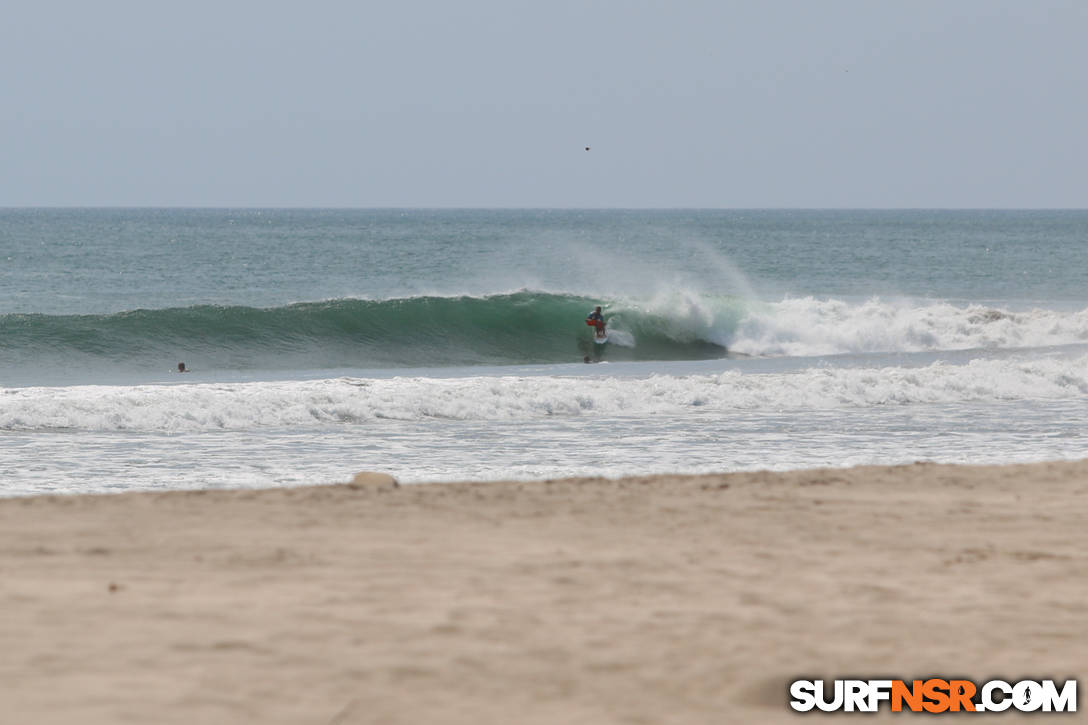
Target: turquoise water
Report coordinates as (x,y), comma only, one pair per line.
(442,344)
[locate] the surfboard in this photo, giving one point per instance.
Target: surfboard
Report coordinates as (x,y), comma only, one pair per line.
(600,340)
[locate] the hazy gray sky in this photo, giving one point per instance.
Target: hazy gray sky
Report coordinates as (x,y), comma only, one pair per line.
(871,103)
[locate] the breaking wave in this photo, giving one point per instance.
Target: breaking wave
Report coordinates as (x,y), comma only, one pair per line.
(364,402)
(521,327)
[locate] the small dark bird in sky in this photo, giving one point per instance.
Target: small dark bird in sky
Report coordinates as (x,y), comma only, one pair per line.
(587,148)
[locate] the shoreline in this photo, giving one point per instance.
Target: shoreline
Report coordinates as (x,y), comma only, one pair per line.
(679,599)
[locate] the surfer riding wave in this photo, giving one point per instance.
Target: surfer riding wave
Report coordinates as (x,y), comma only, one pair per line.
(596,319)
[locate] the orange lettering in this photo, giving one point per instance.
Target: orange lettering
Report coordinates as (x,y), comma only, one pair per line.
(936,691)
(961,692)
(912,695)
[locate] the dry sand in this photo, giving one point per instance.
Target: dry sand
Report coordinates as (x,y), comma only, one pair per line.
(643,600)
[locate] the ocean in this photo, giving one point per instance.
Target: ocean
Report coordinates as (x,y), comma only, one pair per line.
(445,345)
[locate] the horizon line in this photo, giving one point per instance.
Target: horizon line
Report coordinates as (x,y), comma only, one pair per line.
(196,207)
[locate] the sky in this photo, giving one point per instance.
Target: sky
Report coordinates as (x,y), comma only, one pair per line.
(491,103)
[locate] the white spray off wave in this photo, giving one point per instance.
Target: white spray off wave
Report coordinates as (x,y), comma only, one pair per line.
(683,306)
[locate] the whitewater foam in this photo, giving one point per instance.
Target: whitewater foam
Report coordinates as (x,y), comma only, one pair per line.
(353,401)
(809,326)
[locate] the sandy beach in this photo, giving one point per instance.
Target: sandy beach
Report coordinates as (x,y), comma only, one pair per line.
(664,599)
